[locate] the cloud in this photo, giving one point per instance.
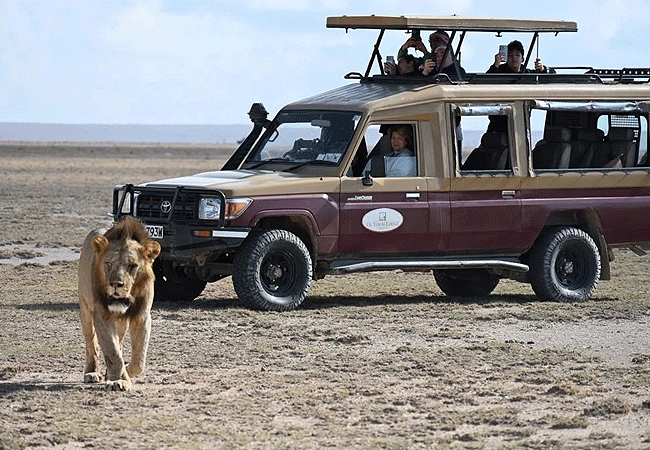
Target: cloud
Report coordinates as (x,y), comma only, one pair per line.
(168,61)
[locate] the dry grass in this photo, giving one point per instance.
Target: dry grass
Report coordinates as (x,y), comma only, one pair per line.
(380,360)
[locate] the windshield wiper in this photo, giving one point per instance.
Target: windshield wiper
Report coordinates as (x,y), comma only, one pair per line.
(272,160)
(313,161)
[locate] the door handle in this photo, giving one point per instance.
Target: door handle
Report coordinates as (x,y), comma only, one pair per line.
(412,196)
(508,194)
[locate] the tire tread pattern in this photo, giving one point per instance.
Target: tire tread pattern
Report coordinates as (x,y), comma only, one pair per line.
(542,264)
(246,270)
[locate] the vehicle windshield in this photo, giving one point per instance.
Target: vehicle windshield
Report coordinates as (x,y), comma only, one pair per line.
(301,138)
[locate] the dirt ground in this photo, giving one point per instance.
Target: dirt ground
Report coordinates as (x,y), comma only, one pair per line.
(370,361)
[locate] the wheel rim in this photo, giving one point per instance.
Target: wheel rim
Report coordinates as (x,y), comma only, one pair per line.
(571,268)
(278,273)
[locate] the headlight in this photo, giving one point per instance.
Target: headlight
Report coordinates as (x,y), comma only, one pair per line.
(210,208)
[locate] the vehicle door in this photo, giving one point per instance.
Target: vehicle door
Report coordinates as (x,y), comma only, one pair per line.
(485,186)
(382,214)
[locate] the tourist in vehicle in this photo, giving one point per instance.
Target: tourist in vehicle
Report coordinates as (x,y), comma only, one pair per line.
(401,161)
(442,64)
(436,39)
(405,66)
(515,60)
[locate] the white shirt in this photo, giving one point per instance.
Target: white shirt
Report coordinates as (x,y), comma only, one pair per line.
(400,164)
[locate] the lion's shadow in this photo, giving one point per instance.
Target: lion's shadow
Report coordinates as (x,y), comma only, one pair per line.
(8,387)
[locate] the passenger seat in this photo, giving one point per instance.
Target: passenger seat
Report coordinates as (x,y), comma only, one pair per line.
(492,154)
(619,143)
(554,151)
(584,146)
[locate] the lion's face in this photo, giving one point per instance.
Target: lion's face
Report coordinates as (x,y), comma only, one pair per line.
(124,267)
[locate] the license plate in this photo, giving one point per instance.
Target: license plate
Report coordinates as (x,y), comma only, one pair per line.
(155,231)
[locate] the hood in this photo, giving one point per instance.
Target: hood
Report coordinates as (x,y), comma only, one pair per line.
(207,180)
(246,182)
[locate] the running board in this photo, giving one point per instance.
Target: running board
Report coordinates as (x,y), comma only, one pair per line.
(352,266)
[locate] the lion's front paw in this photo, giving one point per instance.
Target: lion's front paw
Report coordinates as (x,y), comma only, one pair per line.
(133,370)
(118,385)
(92,377)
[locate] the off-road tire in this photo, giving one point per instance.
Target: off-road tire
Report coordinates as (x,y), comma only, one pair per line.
(178,289)
(272,271)
(466,282)
(564,265)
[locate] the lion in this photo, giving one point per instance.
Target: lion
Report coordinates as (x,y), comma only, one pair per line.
(116,289)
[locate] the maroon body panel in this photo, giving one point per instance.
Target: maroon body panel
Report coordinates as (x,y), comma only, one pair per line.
(484,221)
(321,210)
(624,213)
(455,223)
(412,236)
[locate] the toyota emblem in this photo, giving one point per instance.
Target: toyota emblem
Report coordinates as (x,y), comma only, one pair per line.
(166,206)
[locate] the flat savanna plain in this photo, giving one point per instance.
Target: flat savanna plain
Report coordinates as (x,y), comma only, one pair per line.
(381,360)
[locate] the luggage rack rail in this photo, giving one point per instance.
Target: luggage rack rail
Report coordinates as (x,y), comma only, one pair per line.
(589,75)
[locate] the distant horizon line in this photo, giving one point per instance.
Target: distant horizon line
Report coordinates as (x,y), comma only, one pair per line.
(124,123)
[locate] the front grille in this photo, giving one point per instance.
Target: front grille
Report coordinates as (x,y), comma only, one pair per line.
(157,206)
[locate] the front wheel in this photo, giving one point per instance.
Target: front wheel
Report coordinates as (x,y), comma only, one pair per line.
(565,265)
(272,271)
(466,282)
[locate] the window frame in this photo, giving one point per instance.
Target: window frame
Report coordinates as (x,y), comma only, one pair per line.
(482,108)
(597,110)
(414,124)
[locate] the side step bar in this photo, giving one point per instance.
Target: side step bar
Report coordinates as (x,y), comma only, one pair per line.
(353,266)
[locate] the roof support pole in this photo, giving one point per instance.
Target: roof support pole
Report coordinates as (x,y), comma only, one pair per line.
(375,53)
(530,49)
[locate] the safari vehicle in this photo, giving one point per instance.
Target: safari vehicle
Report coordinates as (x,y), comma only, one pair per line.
(305,196)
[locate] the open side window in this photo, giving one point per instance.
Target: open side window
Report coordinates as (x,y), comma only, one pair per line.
(588,135)
(377,156)
(482,138)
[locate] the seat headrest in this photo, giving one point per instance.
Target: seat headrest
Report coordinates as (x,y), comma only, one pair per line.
(620,134)
(494,140)
(557,134)
(590,135)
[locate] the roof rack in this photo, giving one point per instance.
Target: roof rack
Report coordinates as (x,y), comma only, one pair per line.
(459,26)
(591,75)
(454,24)
(624,75)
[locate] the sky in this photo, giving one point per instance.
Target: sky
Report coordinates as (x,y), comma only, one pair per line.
(206,62)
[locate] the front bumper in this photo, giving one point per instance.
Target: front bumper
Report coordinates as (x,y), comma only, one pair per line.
(173,212)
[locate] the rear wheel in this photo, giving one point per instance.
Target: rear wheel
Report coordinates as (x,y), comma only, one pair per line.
(466,282)
(272,271)
(565,265)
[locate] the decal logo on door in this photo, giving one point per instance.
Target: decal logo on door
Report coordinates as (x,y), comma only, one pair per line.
(382,220)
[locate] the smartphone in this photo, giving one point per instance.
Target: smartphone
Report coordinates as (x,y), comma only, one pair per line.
(503,50)
(390,59)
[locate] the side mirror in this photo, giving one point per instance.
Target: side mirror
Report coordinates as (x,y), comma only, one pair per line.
(367,179)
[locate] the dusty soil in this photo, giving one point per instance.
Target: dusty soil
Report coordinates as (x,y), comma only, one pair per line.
(381,360)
